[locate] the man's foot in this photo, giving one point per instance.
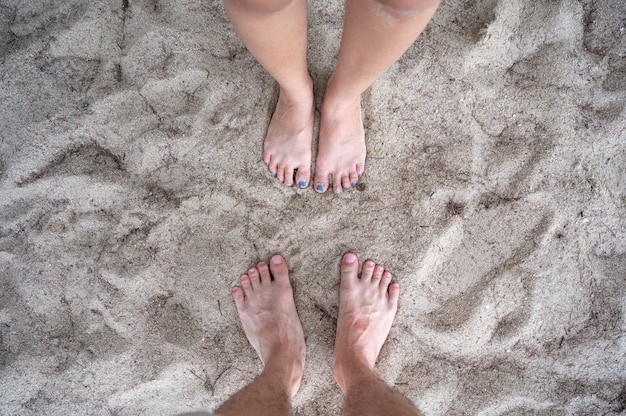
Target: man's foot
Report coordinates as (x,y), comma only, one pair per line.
(287,146)
(341,149)
(268,314)
(367,307)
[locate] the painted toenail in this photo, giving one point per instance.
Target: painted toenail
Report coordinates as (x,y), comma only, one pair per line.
(350,258)
(277,260)
(320,187)
(346,189)
(302,184)
(274,174)
(353,184)
(360,175)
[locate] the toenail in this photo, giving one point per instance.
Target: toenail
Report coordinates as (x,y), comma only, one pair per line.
(350,258)
(320,187)
(346,189)
(277,260)
(360,175)
(302,184)
(353,184)
(273,173)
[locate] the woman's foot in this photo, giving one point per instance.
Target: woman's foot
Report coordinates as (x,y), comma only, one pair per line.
(287,146)
(367,307)
(341,149)
(268,315)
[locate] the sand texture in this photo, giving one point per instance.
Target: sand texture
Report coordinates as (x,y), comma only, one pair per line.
(133,195)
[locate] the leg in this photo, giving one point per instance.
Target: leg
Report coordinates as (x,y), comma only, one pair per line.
(376,33)
(269,319)
(367,307)
(275,32)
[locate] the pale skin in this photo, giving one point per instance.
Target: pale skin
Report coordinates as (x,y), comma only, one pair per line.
(367,307)
(376,33)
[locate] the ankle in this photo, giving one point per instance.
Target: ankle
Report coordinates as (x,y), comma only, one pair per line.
(287,374)
(351,371)
(298,92)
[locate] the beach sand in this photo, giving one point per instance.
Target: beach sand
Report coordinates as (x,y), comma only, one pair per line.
(133,196)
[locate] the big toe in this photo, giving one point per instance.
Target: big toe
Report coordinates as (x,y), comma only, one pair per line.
(321,181)
(279,269)
(303,176)
(349,268)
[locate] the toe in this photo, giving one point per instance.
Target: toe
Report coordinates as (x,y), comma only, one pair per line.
(367,271)
(321,181)
(238,296)
(280,173)
(385,281)
(264,271)
(288,175)
(337,186)
(302,177)
(272,168)
(378,273)
(245,283)
(349,268)
(345,182)
(394,294)
(354,179)
(255,281)
(279,269)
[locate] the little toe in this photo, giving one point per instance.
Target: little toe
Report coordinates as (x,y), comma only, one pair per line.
(238,296)
(349,268)
(367,270)
(394,294)
(264,271)
(279,269)
(272,165)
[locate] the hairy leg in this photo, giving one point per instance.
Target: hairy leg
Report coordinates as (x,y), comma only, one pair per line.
(367,307)
(275,32)
(269,318)
(376,33)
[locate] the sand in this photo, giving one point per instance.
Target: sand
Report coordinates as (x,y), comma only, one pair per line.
(133,195)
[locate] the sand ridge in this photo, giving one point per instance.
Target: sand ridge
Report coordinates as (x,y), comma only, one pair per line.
(133,195)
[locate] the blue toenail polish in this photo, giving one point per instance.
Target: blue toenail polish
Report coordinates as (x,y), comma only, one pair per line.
(346,189)
(320,187)
(273,173)
(302,184)
(360,175)
(353,184)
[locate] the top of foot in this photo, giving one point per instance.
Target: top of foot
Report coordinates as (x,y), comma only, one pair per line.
(367,308)
(269,318)
(287,146)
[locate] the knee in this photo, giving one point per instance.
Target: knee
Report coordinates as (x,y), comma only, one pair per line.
(261,6)
(406,8)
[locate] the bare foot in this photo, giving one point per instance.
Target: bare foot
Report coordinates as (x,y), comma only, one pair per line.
(341,149)
(268,314)
(287,146)
(367,307)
